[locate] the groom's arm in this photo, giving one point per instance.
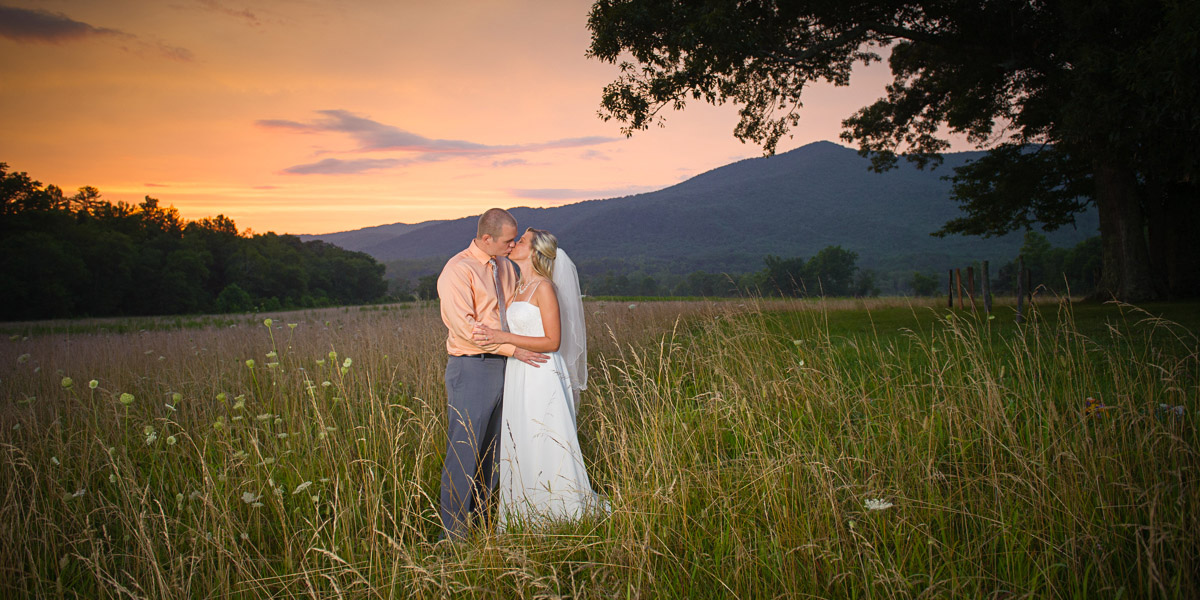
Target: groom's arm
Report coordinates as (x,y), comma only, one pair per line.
(456,290)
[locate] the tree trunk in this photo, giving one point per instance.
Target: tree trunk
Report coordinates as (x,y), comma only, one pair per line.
(1172,238)
(1127,275)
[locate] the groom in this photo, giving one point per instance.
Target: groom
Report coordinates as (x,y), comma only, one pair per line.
(473,287)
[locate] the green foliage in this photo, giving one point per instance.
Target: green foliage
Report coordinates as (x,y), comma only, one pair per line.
(865,284)
(79,256)
(1062,271)
(708,285)
(829,273)
(427,287)
(925,285)
(1014,188)
(234,299)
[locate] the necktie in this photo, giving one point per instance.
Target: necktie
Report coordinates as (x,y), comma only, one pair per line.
(499,295)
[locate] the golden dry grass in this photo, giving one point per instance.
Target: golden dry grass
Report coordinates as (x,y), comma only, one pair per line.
(739,442)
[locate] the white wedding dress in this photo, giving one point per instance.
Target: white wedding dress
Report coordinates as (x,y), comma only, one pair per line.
(542,477)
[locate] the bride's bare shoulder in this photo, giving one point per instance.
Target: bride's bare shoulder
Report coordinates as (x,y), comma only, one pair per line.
(543,292)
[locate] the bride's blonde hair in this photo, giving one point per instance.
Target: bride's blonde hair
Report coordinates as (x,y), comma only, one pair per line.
(545,250)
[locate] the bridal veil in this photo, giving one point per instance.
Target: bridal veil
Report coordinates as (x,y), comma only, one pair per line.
(573,343)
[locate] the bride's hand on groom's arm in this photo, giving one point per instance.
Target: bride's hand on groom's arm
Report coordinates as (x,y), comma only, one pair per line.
(529,357)
(486,336)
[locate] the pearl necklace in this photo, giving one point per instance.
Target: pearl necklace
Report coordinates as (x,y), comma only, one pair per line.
(523,285)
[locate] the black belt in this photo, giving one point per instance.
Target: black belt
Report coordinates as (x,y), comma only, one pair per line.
(484,355)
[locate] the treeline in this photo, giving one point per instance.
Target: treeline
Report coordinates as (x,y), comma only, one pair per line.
(1060,271)
(831,272)
(80,255)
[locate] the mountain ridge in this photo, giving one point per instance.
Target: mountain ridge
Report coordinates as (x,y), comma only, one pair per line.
(726,219)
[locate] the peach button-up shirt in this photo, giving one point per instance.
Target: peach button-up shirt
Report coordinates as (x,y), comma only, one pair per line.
(468,295)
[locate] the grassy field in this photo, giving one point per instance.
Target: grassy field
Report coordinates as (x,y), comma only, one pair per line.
(749,448)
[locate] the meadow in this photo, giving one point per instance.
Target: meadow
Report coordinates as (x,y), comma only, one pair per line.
(885,448)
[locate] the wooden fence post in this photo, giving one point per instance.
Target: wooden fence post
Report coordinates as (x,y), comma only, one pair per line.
(950,288)
(987,290)
(1029,286)
(1020,288)
(971,287)
(958,284)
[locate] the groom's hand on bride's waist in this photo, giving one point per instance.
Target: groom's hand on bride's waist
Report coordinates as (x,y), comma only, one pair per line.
(533,359)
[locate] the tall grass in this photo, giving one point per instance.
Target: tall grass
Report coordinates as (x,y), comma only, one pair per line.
(749,449)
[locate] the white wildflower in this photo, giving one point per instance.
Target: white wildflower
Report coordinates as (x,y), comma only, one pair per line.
(877,504)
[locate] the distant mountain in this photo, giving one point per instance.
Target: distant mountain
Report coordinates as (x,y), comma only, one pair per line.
(791,204)
(361,239)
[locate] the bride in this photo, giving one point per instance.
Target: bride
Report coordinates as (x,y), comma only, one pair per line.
(542,477)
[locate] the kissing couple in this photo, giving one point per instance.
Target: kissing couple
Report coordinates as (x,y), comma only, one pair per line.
(517,361)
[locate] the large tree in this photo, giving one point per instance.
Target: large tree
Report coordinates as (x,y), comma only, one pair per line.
(1079,102)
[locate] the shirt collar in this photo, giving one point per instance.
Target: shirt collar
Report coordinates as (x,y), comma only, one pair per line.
(478,254)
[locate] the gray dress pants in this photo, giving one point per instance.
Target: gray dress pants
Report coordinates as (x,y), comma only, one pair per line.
(474,392)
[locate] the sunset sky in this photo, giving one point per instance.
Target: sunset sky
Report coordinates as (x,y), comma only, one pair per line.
(307,116)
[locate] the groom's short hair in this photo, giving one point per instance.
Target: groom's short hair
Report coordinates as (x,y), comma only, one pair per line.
(492,221)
